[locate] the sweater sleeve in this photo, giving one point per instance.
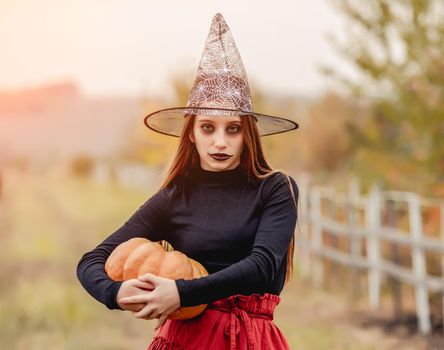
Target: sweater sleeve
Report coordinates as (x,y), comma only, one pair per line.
(259,268)
(149,221)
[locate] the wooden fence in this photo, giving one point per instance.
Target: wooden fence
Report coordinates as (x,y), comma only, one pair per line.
(368,224)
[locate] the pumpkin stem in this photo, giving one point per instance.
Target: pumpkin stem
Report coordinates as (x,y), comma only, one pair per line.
(165,245)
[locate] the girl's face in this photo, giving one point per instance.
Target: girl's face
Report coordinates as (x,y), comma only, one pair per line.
(218,135)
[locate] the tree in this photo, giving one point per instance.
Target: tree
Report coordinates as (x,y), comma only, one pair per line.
(397,49)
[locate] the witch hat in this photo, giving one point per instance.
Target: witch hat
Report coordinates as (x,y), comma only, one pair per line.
(220,89)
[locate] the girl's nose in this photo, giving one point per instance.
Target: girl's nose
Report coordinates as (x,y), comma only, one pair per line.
(220,139)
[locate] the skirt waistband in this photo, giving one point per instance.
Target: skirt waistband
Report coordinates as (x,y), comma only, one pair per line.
(256,305)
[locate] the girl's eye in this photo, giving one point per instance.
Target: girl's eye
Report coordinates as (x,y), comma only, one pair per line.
(234,128)
(204,127)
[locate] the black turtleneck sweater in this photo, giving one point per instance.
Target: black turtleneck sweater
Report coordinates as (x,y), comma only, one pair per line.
(238,229)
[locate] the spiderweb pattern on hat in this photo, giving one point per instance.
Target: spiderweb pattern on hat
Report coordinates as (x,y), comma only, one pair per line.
(221,78)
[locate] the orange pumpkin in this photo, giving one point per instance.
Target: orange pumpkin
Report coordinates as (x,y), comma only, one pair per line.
(138,256)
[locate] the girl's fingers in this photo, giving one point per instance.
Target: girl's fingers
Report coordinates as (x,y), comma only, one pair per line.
(145,313)
(143,284)
(134,299)
(150,278)
(160,322)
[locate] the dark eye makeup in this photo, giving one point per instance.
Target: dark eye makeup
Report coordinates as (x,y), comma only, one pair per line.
(233,129)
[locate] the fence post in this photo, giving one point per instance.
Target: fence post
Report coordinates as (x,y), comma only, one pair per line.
(396,287)
(373,221)
(316,226)
(355,240)
(419,268)
(331,268)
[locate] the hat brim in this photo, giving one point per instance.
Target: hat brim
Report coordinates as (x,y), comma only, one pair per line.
(170,121)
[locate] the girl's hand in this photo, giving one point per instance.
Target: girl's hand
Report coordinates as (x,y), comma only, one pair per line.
(130,288)
(163,300)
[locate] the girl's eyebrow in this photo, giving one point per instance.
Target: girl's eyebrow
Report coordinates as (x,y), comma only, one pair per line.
(211,121)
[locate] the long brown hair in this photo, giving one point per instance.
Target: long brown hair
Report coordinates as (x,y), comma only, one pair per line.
(252,161)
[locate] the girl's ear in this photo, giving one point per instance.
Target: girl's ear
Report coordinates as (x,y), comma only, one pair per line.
(191,135)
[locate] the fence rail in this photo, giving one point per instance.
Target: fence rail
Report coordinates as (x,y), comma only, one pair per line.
(367,223)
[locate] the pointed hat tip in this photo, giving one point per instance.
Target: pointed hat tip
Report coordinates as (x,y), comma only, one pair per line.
(219,19)
(218,16)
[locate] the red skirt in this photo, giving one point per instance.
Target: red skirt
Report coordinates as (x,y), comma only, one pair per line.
(237,322)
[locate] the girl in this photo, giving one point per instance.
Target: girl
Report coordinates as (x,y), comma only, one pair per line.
(222,205)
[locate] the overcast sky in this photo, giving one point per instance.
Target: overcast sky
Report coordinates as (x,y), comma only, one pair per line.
(132,47)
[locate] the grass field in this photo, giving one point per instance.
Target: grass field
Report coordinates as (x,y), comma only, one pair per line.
(48,222)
